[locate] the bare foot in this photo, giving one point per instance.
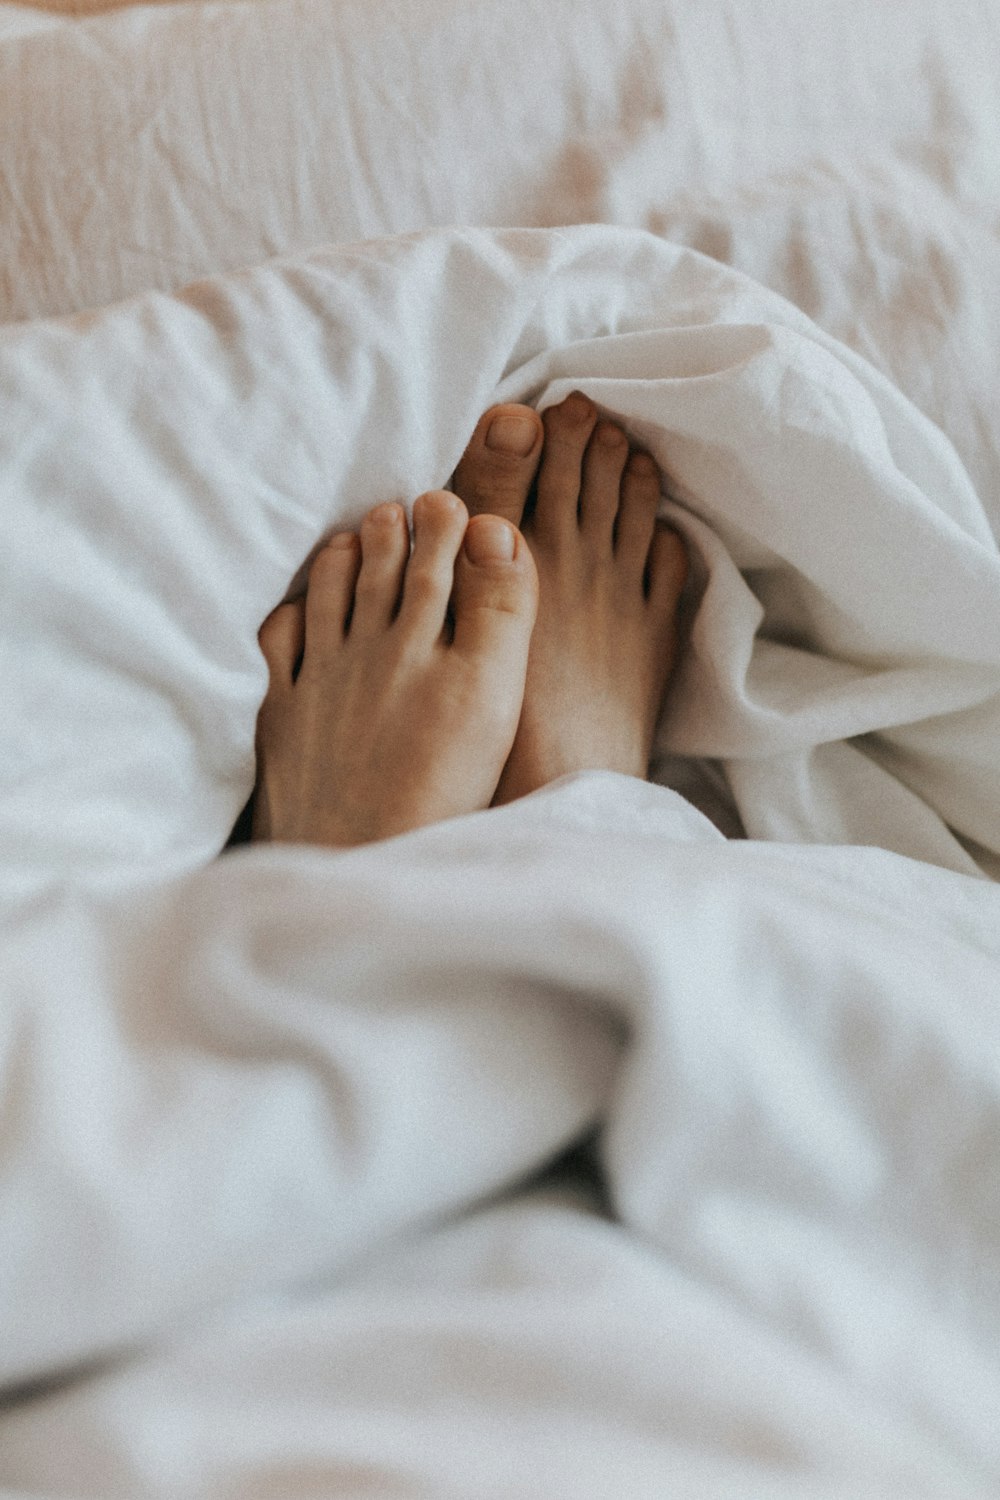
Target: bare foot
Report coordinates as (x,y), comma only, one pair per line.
(610,578)
(405,704)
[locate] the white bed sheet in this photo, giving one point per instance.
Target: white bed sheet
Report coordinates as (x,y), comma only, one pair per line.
(798,1295)
(792,1049)
(843,154)
(222,1080)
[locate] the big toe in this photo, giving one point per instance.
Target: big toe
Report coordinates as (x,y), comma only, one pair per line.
(498,467)
(495,599)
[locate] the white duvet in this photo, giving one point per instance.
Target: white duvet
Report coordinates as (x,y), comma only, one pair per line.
(271,1125)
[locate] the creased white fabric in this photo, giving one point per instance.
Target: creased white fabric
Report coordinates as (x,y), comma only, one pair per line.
(249,1110)
(843,154)
(790,1047)
(170,462)
(220,1080)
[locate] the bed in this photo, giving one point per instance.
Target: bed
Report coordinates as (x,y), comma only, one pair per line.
(638,1138)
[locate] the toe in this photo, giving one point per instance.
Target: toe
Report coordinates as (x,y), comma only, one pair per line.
(666,571)
(281,638)
(603,464)
(495,597)
(439,522)
(330,596)
(640,497)
(385,547)
(568,427)
(498,467)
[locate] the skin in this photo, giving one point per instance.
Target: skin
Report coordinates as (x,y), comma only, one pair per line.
(407,687)
(610,579)
(406,702)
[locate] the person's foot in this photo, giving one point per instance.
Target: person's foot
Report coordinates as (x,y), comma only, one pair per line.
(610,579)
(396,683)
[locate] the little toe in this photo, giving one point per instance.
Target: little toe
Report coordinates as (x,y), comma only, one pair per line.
(330,595)
(498,467)
(281,639)
(385,547)
(495,599)
(666,570)
(568,428)
(603,465)
(439,522)
(640,497)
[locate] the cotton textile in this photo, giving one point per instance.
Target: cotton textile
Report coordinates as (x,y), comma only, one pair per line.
(228,1079)
(172,460)
(843,154)
(571,1149)
(790,1049)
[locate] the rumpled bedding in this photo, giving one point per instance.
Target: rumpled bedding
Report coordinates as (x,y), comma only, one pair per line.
(635,1139)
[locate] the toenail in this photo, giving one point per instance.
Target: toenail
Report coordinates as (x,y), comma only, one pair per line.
(438,499)
(511,432)
(643,463)
(609,435)
(490,540)
(386,514)
(342,540)
(578,406)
